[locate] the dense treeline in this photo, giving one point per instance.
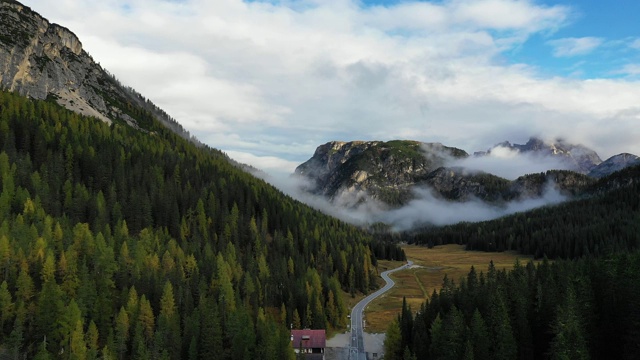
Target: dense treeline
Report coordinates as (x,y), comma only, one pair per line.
(389,250)
(606,223)
(579,309)
(120,243)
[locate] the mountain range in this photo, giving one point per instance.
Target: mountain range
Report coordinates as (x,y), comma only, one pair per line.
(350,173)
(42,60)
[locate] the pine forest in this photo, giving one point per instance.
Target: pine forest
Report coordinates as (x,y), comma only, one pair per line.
(125,243)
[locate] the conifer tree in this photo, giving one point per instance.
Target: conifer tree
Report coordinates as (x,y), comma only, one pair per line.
(569,340)
(393,342)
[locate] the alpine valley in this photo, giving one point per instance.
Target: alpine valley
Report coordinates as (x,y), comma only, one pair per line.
(124,237)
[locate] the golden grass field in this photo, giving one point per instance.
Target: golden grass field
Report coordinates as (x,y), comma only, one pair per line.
(418,283)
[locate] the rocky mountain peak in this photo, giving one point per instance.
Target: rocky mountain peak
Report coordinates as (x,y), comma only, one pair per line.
(577,157)
(330,156)
(351,172)
(613,164)
(382,170)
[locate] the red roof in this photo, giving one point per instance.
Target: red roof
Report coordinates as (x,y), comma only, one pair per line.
(311,339)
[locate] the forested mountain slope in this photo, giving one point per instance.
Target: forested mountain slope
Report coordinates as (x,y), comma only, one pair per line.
(581,306)
(605,220)
(121,243)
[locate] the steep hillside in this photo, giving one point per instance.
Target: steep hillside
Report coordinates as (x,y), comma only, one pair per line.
(101,223)
(39,59)
(121,239)
(605,219)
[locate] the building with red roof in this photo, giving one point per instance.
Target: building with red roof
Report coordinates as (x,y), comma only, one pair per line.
(309,342)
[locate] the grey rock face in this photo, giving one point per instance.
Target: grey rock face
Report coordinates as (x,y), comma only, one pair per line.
(383,170)
(613,164)
(330,156)
(44,60)
(352,172)
(577,157)
(38,59)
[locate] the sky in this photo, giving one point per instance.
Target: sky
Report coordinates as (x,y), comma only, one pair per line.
(269,81)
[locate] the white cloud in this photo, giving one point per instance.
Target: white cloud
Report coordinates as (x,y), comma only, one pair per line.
(510,164)
(635,44)
(427,209)
(510,15)
(567,47)
(630,69)
(504,15)
(266,163)
(278,78)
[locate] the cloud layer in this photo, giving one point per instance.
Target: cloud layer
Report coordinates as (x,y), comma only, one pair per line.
(509,163)
(567,47)
(426,209)
(268,81)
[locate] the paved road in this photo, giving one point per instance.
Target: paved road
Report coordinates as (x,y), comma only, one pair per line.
(356,352)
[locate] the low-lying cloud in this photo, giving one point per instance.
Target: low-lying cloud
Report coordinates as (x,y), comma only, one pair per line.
(297,187)
(425,209)
(510,163)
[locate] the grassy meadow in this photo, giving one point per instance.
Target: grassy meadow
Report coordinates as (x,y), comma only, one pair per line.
(430,266)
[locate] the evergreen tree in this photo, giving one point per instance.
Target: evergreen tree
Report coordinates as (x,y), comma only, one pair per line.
(569,341)
(438,348)
(393,342)
(479,337)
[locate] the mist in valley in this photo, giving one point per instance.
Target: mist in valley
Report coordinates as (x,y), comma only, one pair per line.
(427,207)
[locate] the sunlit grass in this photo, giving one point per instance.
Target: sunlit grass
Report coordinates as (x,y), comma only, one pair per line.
(418,283)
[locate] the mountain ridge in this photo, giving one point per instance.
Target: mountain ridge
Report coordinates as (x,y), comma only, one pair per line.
(44,60)
(614,164)
(350,173)
(385,170)
(578,157)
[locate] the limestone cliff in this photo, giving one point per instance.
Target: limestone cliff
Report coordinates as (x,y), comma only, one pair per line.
(349,173)
(46,61)
(386,171)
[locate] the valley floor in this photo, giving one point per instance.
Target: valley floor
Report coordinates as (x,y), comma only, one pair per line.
(425,276)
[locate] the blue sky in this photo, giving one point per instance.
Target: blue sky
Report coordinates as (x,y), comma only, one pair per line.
(614,23)
(609,29)
(269,81)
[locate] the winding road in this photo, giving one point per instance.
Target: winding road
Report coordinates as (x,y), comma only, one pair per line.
(356,352)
